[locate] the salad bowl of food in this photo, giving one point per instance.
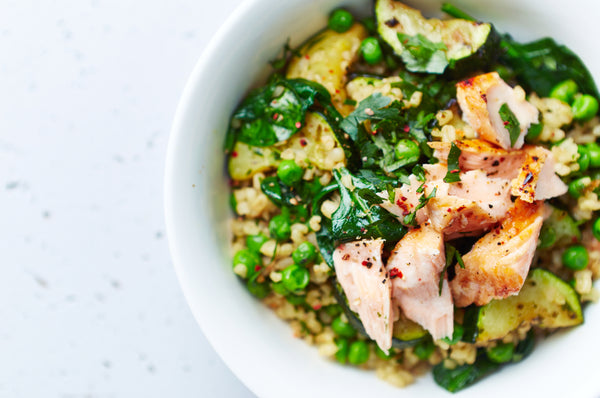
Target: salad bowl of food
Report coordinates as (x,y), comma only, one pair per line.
(362,196)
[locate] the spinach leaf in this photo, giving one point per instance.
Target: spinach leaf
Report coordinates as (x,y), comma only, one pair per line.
(524,347)
(359,218)
(451,254)
(511,123)
(371,108)
(464,375)
(540,65)
(410,219)
(274,112)
(453,174)
(422,55)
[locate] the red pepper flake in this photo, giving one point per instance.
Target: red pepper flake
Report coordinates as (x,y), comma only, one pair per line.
(395,273)
(257,268)
(303,142)
(298,125)
(307,56)
(337,91)
(317,307)
(374,132)
(234,154)
(406,128)
(330,70)
(367,264)
(363,229)
(454,171)
(275,116)
(505,123)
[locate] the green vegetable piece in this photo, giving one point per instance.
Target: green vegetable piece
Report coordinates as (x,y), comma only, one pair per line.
(340,20)
(304,253)
(371,50)
(233,203)
(248,259)
(453,174)
(280,228)
(565,91)
(259,290)
(295,278)
(511,123)
(547,237)
(584,107)
(561,228)
(594,152)
(501,353)
(524,347)
(296,299)
(576,187)
(457,334)
(341,328)
(380,354)
(358,353)
(255,242)
(407,151)
(423,55)
(369,24)
(342,350)
(333,310)
(279,288)
(575,257)
(534,131)
(596,229)
(289,172)
(424,349)
(456,12)
(584,158)
(457,378)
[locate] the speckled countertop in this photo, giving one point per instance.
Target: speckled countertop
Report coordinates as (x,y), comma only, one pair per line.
(89,302)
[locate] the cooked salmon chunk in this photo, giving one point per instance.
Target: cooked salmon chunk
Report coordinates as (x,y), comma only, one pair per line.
(498,263)
(414,268)
(537,179)
(481,97)
(363,277)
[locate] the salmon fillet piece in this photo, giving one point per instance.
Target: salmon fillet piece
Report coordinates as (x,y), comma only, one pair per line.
(498,263)
(363,277)
(480,99)
(536,179)
(414,269)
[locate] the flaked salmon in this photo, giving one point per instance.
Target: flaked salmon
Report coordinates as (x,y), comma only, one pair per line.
(363,276)
(498,263)
(480,99)
(536,179)
(414,268)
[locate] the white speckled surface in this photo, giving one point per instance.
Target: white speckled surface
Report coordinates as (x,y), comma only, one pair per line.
(89,302)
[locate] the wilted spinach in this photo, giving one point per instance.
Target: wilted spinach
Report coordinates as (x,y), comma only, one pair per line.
(422,55)
(464,375)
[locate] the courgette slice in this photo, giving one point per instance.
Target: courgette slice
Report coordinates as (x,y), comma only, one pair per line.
(314,139)
(460,37)
(545,300)
(325,59)
(559,229)
(406,333)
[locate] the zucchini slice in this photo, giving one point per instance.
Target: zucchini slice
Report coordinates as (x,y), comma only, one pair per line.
(559,229)
(315,139)
(545,300)
(325,59)
(461,38)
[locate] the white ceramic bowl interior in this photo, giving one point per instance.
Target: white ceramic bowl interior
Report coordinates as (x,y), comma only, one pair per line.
(255,344)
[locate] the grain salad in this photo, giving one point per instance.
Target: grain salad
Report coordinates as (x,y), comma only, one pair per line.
(415,194)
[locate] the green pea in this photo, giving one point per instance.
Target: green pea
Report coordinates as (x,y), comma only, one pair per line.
(547,237)
(358,353)
(501,353)
(304,253)
(584,158)
(333,310)
(248,259)
(584,107)
(280,228)
(255,242)
(289,172)
(596,229)
(259,290)
(295,278)
(456,334)
(342,350)
(424,349)
(369,24)
(340,20)
(371,50)
(379,352)
(575,257)
(407,151)
(576,187)
(594,152)
(279,288)
(565,91)
(341,328)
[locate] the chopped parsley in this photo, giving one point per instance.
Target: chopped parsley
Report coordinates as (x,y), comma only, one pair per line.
(451,254)
(511,123)
(411,219)
(453,174)
(422,55)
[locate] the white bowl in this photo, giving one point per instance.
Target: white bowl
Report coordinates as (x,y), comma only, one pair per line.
(257,346)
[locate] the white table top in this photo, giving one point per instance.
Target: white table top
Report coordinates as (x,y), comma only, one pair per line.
(89,302)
